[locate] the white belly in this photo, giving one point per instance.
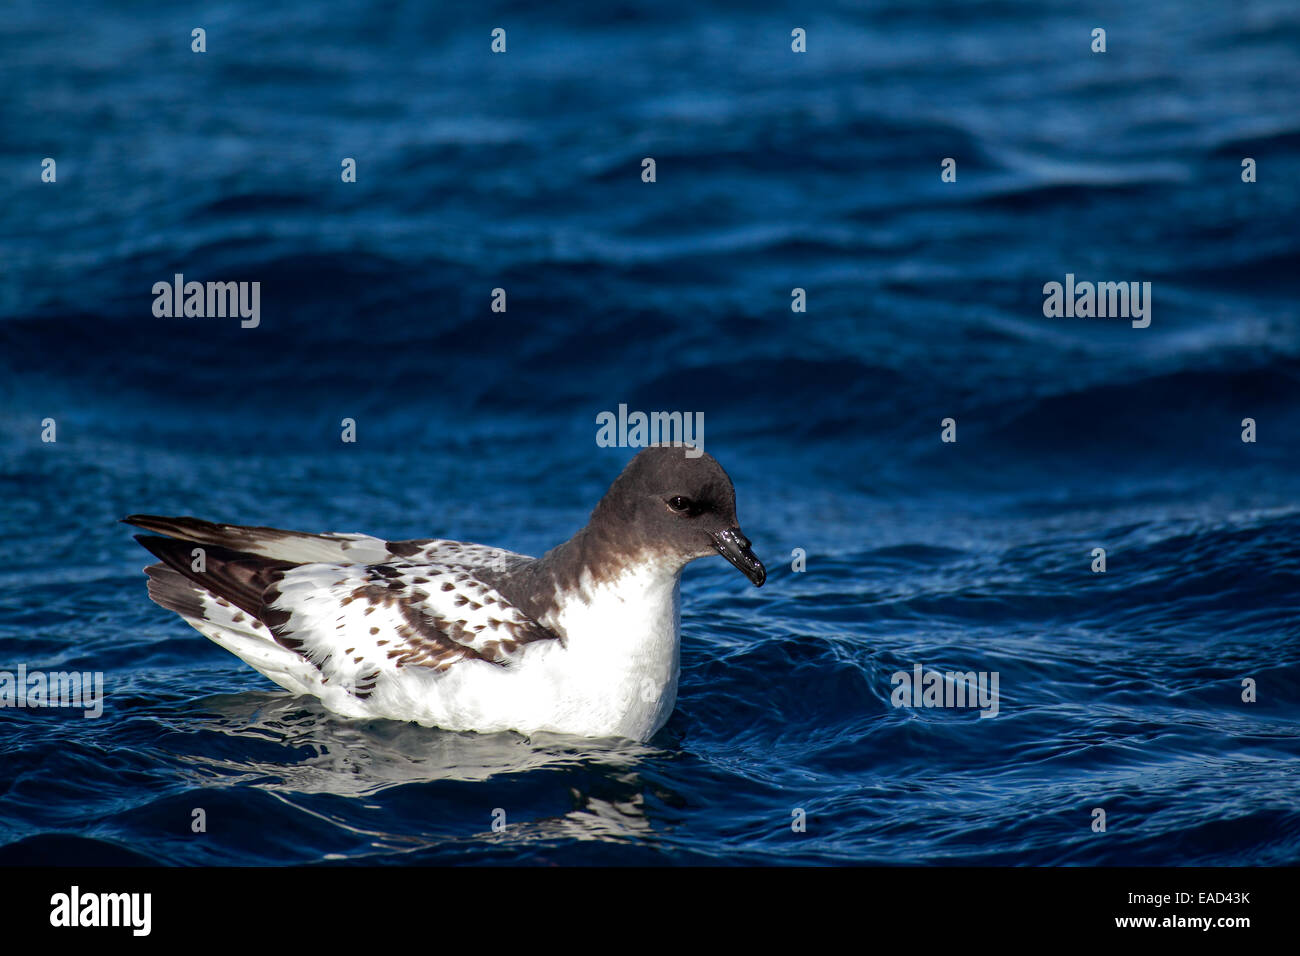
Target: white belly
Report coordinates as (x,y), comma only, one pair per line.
(615,676)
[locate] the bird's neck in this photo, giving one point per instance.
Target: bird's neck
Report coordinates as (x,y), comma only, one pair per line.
(588,566)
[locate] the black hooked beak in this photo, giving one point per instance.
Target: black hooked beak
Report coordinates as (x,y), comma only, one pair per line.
(734,546)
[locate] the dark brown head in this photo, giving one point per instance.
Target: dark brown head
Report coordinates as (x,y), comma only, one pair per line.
(670,504)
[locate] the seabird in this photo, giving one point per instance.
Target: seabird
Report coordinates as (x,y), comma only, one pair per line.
(583,640)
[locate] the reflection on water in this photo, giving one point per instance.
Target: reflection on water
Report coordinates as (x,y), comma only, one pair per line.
(598,818)
(293,748)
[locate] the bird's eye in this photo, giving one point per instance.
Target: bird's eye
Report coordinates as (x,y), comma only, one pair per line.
(681,504)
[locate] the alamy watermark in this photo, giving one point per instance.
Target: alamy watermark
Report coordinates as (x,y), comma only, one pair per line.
(35,689)
(209,300)
(1103,300)
(641,430)
(922,688)
(74,908)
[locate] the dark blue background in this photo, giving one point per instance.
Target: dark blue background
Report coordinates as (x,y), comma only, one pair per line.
(775,171)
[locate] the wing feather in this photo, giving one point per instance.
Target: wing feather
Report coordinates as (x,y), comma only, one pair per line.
(360,623)
(299,547)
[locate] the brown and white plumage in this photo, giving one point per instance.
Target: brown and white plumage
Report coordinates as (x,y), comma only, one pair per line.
(583,640)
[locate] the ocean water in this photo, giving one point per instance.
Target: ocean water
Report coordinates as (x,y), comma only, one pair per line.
(1120,690)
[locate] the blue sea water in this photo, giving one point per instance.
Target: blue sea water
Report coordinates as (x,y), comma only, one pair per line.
(775,170)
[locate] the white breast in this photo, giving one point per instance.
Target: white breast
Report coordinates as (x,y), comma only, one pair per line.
(618,672)
(615,675)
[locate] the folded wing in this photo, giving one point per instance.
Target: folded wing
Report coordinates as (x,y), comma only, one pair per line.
(345,620)
(300,547)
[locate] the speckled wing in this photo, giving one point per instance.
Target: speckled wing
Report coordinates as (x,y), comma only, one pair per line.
(356,623)
(351,606)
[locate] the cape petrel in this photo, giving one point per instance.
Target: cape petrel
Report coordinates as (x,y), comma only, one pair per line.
(583,640)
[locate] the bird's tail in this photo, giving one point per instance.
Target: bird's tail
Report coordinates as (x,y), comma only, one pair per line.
(220,593)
